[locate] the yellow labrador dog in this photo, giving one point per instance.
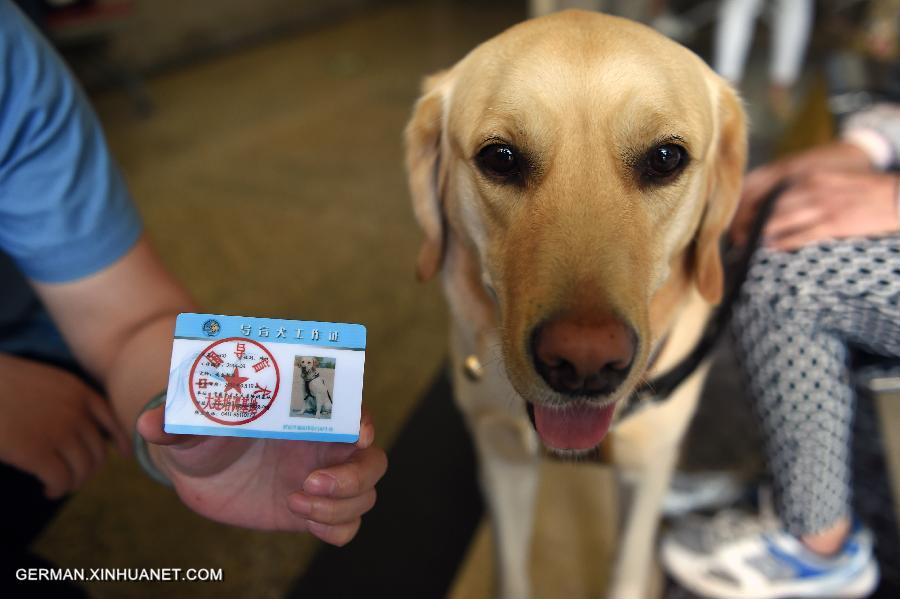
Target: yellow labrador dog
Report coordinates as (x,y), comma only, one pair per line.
(573,176)
(317,396)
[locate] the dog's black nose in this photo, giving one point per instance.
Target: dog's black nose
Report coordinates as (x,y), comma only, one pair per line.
(579,358)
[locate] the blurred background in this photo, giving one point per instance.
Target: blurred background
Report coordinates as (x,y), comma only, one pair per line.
(262,143)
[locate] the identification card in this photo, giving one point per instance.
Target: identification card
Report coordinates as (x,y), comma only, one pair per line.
(262,377)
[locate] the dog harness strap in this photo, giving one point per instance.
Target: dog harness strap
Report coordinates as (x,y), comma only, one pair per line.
(654,356)
(660,388)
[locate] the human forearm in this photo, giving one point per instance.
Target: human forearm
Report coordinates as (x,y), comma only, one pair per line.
(119,324)
(141,369)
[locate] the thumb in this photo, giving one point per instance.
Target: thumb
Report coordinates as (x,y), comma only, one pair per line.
(366,430)
(150,427)
(757,186)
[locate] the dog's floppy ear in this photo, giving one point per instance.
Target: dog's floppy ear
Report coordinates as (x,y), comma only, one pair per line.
(423,163)
(723,193)
(315,362)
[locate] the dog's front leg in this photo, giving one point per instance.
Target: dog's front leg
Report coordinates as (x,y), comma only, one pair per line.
(508,458)
(633,568)
(645,449)
(509,477)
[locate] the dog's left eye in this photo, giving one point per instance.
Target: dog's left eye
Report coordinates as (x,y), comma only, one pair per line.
(500,161)
(663,162)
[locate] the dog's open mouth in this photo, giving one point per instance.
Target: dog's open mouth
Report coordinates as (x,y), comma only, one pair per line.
(578,427)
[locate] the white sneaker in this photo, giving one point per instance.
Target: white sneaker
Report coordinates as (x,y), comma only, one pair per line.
(736,556)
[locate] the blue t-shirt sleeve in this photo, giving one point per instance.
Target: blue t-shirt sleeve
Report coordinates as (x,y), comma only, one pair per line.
(65,211)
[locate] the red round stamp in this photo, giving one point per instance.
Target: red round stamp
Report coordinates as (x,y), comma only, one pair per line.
(234,381)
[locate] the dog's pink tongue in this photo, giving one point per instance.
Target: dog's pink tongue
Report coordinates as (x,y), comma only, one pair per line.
(576,427)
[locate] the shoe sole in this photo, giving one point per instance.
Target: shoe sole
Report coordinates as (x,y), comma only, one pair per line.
(861,586)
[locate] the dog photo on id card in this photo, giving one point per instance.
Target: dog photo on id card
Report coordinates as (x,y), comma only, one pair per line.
(313,388)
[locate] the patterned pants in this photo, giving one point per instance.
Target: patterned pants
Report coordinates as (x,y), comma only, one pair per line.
(800,315)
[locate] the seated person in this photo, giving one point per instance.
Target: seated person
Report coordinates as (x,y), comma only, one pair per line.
(826,281)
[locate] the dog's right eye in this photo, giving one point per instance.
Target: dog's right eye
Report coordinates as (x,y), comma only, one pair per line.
(499,161)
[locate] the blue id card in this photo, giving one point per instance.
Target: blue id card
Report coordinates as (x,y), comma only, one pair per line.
(264,377)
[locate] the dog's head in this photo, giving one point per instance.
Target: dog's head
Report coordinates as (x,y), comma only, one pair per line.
(576,173)
(308,365)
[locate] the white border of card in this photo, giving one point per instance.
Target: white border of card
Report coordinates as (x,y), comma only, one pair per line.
(223,382)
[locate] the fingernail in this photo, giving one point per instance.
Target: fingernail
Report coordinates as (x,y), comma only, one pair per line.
(302,505)
(320,483)
(365,438)
(316,527)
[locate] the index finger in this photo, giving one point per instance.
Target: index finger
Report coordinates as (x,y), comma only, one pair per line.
(354,477)
(366,430)
(150,427)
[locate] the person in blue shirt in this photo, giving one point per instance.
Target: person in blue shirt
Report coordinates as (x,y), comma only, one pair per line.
(87,311)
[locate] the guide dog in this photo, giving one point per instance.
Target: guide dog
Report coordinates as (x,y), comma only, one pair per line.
(573,177)
(317,397)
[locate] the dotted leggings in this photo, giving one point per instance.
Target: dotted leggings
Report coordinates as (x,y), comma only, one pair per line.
(800,315)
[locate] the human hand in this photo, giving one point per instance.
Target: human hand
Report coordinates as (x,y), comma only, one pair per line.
(828,205)
(833,157)
(881,39)
(54,426)
(271,484)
